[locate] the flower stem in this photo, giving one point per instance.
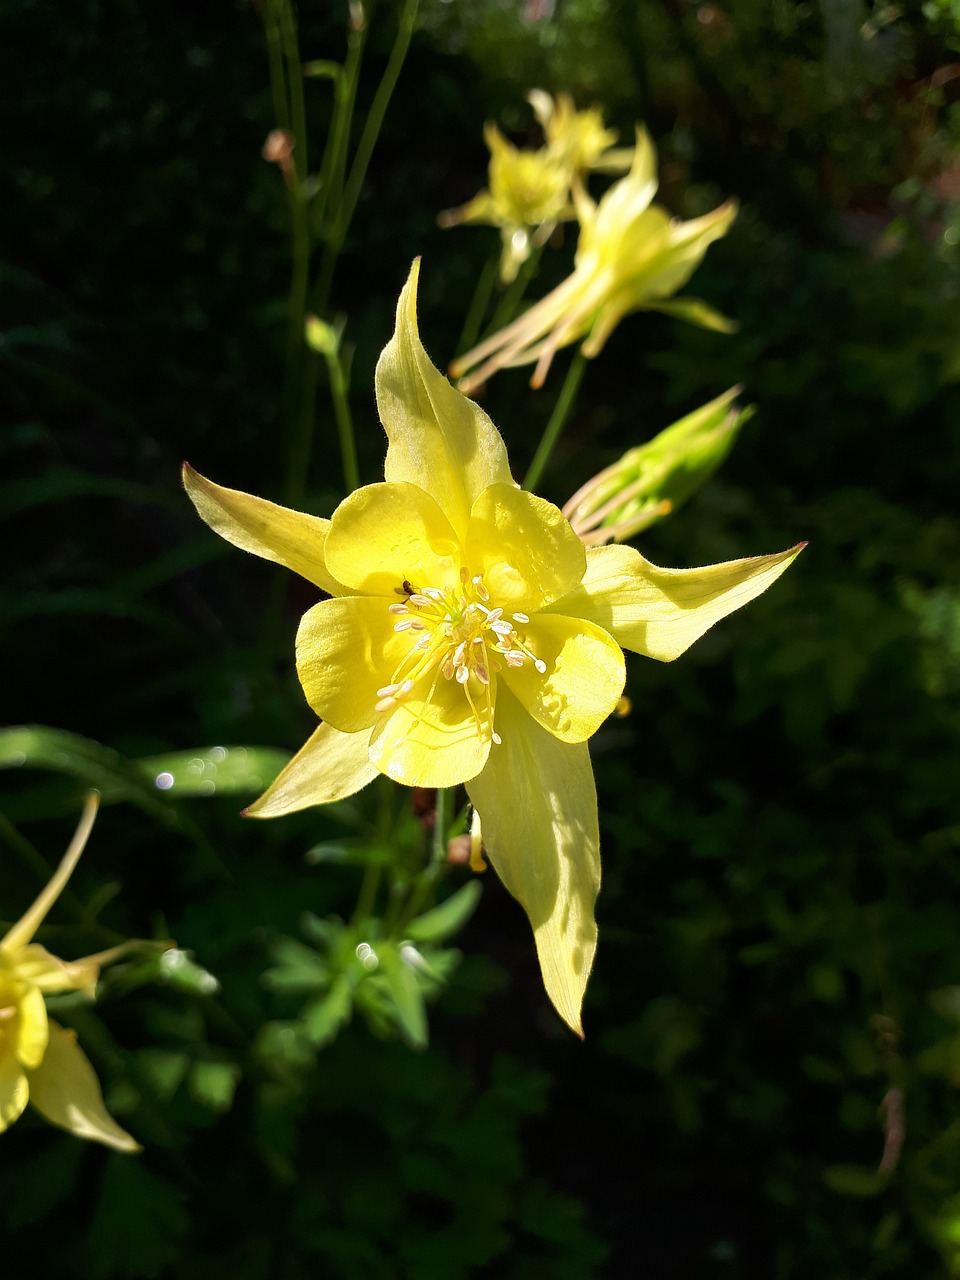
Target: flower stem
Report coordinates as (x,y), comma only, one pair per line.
(339,218)
(341,410)
(481,298)
(561,411)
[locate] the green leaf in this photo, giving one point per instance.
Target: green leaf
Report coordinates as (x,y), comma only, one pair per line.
(323,1017)
(163,1070)
(138,1223)
(448,917)
(854,1180)
(213,770)
(214,1083)
(398,982)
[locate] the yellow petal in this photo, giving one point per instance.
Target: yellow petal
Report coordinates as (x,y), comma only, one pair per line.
(330,766)
(51,974)
(439,439)
(346,650)
(65,1090)
(386,534)
(290,538)
(538,807)
(14,1091)
(437,742)
(31,1030)
(524,547)
(661,612)
(583,681)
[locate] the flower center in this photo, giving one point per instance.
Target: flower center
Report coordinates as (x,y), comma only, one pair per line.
(457,635)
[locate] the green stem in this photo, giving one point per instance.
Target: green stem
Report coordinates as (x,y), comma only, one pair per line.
(341,410)
(481,299)
(381,100)
(368,894)
(278,88)
(440,824)
(561,411)
(342,215)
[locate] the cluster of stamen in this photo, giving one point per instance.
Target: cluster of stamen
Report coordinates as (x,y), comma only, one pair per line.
(456,635)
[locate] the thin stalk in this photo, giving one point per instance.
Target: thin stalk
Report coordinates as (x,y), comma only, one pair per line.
(298,110)
(278,87)
(339,219)
(341,410)
(481,299)
(561,411)
(335,156)
(368,894)
(381,100)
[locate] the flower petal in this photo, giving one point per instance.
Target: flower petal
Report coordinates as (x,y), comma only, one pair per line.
(66,1091)
(14,1091)
(661,612)
(583,681)
(386,534)
(538,808)
(290,538)
(346,650)
(330,766)
(438,438)
(436,742)
(31,1027)
(50,974)
(524,547)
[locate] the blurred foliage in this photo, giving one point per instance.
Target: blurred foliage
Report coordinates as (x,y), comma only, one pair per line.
(769,1083)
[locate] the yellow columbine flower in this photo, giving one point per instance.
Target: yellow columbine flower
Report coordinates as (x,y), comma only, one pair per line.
(471,638)
(579,138)
(40,1061)
(529,193)
(631,256)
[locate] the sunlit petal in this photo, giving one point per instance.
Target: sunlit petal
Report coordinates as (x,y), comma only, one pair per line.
(290,538)
(583,681)
(438,439)
(14,1090)
(386,534)
(435,741)
(538,807)
(661,612)
(31,1029)
(346,650)
(66,1091)
(330,766)
(524,547)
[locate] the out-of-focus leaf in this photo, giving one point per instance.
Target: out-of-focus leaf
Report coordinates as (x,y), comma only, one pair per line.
(359,852)
(398,982)
(448,917)
(323,1017)
(137,1225)
(298,968)
(214,1083)
(213,770)
(854,1180)
(163,1070)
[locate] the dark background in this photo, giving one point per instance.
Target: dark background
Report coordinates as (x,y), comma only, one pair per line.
(780,812)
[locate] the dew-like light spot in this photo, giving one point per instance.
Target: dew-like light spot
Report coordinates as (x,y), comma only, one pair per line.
(164,781)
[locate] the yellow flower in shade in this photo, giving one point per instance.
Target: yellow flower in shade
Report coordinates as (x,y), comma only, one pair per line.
(579,138)
(529,193)
(40,1061)
(631,256)
(471,638)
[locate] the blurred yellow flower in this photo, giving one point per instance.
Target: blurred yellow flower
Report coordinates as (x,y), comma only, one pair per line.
(529,193)
(40,1061)
(631,255)
(578,138)
(471,638)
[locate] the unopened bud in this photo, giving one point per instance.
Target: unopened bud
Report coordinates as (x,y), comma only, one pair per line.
(653,479)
